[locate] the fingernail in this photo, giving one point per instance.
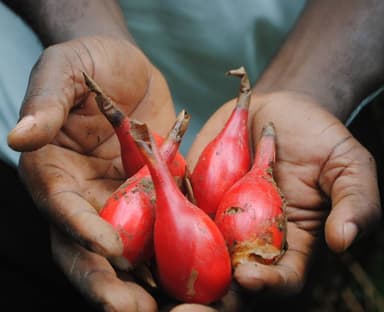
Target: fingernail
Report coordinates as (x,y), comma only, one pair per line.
(121,263)
(25,123)
(350,231)
(249,276)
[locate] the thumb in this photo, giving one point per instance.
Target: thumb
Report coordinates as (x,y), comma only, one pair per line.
(355,197)
(53,89)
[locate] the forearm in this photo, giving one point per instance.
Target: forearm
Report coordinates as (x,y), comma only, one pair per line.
(334,54)
(56,21)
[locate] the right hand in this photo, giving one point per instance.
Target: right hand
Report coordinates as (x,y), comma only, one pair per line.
(327,177)
(70,161)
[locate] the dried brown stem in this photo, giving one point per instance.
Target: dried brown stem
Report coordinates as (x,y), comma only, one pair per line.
(180,126)
(105,103)
(244,97)
(187,186)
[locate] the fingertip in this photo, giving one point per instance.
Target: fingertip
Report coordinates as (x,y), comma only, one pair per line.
(350,232)
(79,219)
(33,132)
(116,295)
(16,137)
(39,124)
(249,276)
(340,236)
(146,303)
(108,242)
(193,307)
(96,279)
(286,277)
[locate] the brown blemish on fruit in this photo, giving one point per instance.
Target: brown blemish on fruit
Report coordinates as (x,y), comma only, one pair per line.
(124,234)
(257,250)
(233,210)
(191,282)
(146,185)
(280,222)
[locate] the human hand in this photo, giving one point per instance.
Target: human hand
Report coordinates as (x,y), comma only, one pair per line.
(327,177)
(71,157)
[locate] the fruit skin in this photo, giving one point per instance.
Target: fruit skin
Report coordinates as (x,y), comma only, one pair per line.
(227,157)
(199,271)
(251,214)
(192,260)
(131,208)
(123,126)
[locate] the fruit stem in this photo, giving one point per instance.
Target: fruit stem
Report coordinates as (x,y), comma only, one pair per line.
(180,127)
(174,137)
(105,104)
(244,97)
(160,173)
(265,156)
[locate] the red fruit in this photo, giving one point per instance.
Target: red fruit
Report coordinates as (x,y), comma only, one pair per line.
(192,259)
(227,157)
(131,158)
(131,208)
(251,214)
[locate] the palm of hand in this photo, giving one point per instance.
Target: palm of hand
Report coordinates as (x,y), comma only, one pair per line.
(317,160)
(80,165)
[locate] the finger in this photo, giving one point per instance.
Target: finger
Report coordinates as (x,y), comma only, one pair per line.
(95,278)
(350,179)
(233,301)
(68,200)
(74,214)
(192,307)
(288,275)
(54,88)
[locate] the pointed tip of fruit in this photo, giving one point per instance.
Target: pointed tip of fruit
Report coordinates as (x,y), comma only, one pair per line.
(265,156)
(139,131)
(245,85)
(105,104)
(144,140)
(181,124)
(184,115)
(239,72)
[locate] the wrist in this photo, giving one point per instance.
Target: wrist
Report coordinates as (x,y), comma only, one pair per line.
(333,55)
(337,97)
(59,21)
(100,18)
(338,92)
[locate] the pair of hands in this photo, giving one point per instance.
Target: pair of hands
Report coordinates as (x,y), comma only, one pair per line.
(71,164)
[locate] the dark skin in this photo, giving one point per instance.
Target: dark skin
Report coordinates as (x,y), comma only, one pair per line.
(71,160)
